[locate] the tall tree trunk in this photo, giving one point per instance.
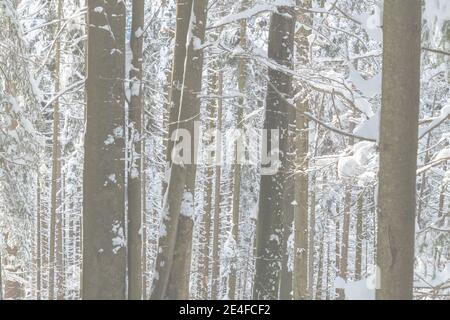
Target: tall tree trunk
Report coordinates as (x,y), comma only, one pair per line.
(359,237)
(206,236)
(345,237)
(136,173)
(145,244)
(270,233)
(311,242)
(242,70)
(56,168)
(215,272)
(38,239)
(300,279)
(1,276)
(213,113)
(14,288)
(442,195)
(183,18)
(60,276)
(339,291)
(398,148)
(288,217)
(104,254)
(320,271)
(343,270)
(328,273)
(174,256)
(184,10)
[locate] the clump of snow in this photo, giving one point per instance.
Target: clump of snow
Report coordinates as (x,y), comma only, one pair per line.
(118,132)
(118,240)
(139,32)
(274,237)
(134,173)
(370,128)
(112,178)
(358,290)
(187,205)
(442,155)
(352,166)
(348,167)
(229,247)
(368,87)
(372,23)
(109,140)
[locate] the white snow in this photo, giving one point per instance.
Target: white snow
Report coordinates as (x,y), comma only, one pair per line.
(356,164)
(139,32)
(358,290)
(187,205)
(118,240)
(370,128)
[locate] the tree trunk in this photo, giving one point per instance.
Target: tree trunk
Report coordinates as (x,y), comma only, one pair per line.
(184,10)
(311,242)
(345,237)
(60,276)
(442,195)
(359,237)
(301,223)
(104,254)
(214,123)
(174,255)
(270,233)
(339,291)
(215,274)
(183,18)
(1,276)
(398,148)
(38,239)
(343,270)
(14,288)
(56,169)
(136,157)
(320,271)
(237,166)
(144,229)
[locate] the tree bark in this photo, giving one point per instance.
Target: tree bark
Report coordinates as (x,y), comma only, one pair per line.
(343,264)
(213,113)
(359,237)
(184,10)
(301,220)
(398,148)
(311,238)
(136,157)
(174,255)
(215,272)
(38,239)
(183,18)
(104,254)
(320,271)
(1,277)
(55,220)
(237,166)
(270,232)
